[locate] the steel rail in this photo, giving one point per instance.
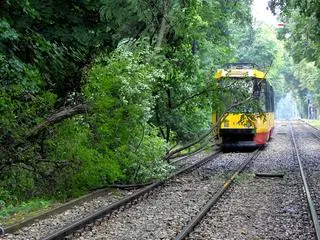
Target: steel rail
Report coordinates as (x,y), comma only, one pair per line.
(60,234)
(180,159)
(311,205)
(195,221)
(56,210)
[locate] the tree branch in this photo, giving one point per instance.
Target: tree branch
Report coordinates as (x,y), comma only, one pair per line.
(163,25)
(58,117)
(201,147)
(169,154)
(191,97)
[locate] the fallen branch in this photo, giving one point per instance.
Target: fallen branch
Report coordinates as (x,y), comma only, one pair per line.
(124,187)
(170,154)
(58,117)
(192,152)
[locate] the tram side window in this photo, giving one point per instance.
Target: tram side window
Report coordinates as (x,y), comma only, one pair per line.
(263,96)
(272,98)
(268,97)
(256,88)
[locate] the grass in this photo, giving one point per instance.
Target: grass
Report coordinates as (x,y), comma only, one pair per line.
(11,214)
(243,177)
(315,123)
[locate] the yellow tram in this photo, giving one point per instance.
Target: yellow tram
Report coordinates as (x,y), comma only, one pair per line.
(251,122)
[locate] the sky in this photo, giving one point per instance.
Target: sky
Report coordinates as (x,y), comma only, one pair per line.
(260,12)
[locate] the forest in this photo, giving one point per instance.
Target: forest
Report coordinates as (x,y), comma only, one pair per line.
(100,92)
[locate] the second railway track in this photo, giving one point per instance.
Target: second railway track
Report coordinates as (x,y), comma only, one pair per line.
(309,170)
(262,207)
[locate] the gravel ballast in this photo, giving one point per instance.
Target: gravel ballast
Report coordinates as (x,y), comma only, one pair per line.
(41,228)
(162,215)
(262,208)
(309,149)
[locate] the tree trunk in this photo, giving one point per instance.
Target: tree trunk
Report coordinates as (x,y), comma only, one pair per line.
(158,119)
(163,25)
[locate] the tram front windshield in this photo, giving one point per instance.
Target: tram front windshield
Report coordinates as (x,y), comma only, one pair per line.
(235,90)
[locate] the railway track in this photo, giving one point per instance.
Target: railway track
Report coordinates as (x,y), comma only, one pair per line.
(102,211)
(190,226)
(177,188)
(56,210)
(170,209)
(204,183)
(308,184)
(266,203)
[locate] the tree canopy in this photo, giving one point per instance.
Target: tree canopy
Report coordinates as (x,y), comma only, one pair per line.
(98,92)
(301,36)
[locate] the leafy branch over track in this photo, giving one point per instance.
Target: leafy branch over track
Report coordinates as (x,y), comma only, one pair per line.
(175,153)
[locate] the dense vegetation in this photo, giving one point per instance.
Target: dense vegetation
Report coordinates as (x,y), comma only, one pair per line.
(98,92)
(301,36)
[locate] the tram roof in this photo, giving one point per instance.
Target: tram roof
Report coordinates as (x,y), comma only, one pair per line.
(240,70)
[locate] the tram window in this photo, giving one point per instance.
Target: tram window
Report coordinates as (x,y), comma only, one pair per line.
(268,97)
(238,83)
(272,98)
(238,89)
(256,88)
(263,96)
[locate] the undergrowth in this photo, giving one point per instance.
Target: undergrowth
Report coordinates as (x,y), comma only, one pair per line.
(13,213)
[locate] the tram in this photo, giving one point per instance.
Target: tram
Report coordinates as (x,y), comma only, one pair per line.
(244,105)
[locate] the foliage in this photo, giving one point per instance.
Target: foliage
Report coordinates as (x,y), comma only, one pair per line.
(10,214)
(120,89)
(259,44)
(80,166)
(301,31)
(42,49)
(301,34)
(309,76)
(315,123)
(307,79)
(142,69)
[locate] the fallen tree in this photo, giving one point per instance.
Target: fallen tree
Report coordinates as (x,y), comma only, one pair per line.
(59,116)
(173,153)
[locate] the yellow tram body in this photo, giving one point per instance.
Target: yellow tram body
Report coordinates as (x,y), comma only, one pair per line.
(257,128)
